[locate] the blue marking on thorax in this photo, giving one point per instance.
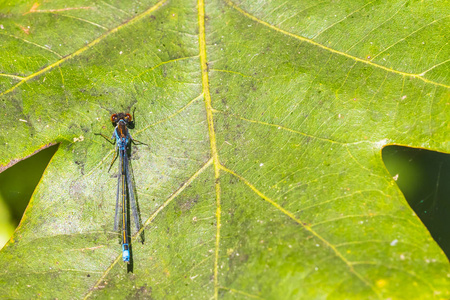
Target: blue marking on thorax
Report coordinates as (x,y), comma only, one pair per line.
(121,141)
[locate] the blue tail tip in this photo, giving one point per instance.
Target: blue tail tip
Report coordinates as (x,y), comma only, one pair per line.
(126,255)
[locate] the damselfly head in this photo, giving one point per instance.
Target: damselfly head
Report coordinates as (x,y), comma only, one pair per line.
(115,118)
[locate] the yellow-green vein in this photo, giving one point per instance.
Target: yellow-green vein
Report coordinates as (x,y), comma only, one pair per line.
(170,116)
(212,134)
(87,47)
(34,44)
(150,219)
(368,62)
(12,76)
(160,64)
(305,226)
(240,292)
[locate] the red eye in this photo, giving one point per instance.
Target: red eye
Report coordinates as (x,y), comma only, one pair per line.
(128,118)
(114,118)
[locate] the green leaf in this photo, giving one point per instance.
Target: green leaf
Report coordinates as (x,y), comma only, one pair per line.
(265,123)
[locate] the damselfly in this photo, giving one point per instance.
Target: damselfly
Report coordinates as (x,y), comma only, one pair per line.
(122,139)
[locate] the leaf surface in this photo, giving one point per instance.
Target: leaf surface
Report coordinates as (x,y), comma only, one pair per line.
(265,121)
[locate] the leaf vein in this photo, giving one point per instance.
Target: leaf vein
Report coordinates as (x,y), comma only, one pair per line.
(405,37)
(32,43)
(149,220)
(377,27)
(344,18)
(305,226)
(240,292)
(398,269)
(87,47)
(172,115)
(364,61)
(363,216)
(212,134)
